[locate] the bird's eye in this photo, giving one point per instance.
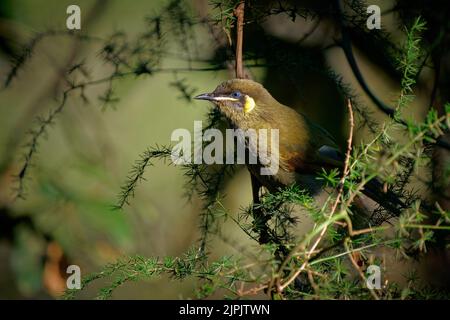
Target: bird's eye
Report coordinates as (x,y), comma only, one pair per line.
(236,94)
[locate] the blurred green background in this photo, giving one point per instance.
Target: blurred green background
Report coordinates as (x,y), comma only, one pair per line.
(87,155)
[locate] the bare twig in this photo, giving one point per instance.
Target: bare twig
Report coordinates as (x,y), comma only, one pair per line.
(251,291)
(239,13)
(358,269)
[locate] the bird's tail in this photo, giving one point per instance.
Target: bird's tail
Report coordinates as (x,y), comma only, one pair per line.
(390,202)
(387,199)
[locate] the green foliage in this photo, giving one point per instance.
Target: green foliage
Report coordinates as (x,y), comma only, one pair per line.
(137,172)
(222,274)
(409,63)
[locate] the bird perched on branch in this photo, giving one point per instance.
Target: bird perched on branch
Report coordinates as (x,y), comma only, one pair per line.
(304,147)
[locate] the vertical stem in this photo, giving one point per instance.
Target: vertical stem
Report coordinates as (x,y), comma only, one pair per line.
(239,14)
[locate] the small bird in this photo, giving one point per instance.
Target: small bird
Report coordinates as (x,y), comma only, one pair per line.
(304,148)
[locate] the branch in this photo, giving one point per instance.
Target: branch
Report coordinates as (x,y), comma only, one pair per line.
(136,174)
(239,13)
(358,269)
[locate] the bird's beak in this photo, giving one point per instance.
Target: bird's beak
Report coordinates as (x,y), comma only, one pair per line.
(213,98)
(205,96)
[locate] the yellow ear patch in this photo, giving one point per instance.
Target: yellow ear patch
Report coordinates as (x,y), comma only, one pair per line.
(249,104)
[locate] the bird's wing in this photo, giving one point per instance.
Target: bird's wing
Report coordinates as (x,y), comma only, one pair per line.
(318,151)
(324,148)
(330,155)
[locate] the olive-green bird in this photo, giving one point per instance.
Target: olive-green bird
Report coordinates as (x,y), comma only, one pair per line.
(304,147)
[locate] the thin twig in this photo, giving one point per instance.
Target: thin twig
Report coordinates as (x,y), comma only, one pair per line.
(358,269)
(239,13)
(251,291)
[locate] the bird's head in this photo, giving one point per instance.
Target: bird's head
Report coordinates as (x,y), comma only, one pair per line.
(240,99)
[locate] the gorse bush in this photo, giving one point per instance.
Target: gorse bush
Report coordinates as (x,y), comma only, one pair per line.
(333,259)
